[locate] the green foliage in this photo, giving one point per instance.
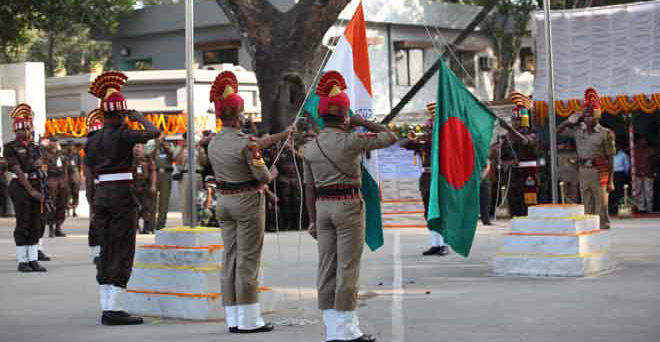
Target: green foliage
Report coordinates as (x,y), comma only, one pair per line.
(59,32)
(16,18)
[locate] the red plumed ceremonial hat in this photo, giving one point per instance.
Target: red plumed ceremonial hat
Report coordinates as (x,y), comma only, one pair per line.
(106,87)
(94,120)
(592,104)
(333,100)
(22,117)
(224,95)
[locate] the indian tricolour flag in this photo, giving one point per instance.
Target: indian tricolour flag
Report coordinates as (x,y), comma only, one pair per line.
(351,59)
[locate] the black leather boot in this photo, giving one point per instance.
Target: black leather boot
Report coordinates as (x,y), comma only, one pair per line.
(119,318)
(36,267)
(24,267)
(266,328)
(59,232)
(51,231)
(42,256)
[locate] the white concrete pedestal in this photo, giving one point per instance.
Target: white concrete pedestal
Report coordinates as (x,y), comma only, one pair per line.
(554,240)
(179,277)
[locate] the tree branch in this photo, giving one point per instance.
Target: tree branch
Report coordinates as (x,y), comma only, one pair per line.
(252,18)
(314,18)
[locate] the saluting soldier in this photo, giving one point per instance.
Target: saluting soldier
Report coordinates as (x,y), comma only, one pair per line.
(333,178)
(110,155)
(242,178)
(422,146)
(58,188)
(94,123)
(144,175)
(74,169)
(22,156)
(521,155)
(595,151)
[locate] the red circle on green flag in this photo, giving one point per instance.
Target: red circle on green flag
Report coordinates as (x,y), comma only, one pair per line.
(456,152)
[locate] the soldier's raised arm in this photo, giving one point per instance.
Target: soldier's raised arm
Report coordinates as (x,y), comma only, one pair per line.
(379,136)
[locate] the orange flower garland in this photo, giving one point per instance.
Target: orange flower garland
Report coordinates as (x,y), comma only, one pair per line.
(75,127)
(648,104)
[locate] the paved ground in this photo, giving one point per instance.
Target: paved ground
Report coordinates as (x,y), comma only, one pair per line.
(406,297)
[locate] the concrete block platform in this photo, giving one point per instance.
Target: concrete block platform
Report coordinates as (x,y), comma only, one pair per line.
(187,305)
(555,210)
(179,276)
(554,240)
(555,225)
(558,266)
(180,256)
(189,237)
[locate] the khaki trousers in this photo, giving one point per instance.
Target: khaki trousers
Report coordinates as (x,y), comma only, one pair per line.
(186,215)
(243,221)
(163,192)
(594,196)
(340,231)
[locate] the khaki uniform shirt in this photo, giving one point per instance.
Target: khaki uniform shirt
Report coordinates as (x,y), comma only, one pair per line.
(235,157)
(599,143)
(344,150)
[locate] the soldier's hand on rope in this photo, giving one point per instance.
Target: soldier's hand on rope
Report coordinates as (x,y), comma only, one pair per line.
(574,119)
(311,229)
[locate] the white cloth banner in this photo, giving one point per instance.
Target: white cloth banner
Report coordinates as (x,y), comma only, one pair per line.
(615,49)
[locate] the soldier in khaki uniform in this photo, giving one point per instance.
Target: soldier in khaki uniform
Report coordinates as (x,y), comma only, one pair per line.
(144,181)
(568,172)
(58,185)
(163,155)
(74,169)
(595,151)
(242,178)
(333,176)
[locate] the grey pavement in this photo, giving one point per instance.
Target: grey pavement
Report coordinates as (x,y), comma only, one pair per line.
(404,296)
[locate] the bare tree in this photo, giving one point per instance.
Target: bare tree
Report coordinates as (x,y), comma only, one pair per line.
(283,45)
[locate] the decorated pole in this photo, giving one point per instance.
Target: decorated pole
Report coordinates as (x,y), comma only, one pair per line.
(551,102)
(190,106)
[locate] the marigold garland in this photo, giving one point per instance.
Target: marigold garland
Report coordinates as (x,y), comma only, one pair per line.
(616,105)
(75,127)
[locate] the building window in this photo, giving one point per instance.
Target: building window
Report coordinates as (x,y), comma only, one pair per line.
(526,59)
(220,56)
(462,64)
(409,65)
(136,64)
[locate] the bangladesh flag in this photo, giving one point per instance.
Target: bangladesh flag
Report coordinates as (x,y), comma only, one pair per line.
(462,133)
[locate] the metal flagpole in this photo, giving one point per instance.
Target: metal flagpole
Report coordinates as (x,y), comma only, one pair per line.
(190,83)
(551,101)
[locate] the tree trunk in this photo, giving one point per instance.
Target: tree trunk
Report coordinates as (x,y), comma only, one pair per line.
(283,46)
(50,67)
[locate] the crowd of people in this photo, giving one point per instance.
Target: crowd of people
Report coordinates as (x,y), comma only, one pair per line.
(128,175)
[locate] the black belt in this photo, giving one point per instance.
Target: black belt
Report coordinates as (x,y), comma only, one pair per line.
(335,191)
(227,186)
(196,171)
(165,169)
